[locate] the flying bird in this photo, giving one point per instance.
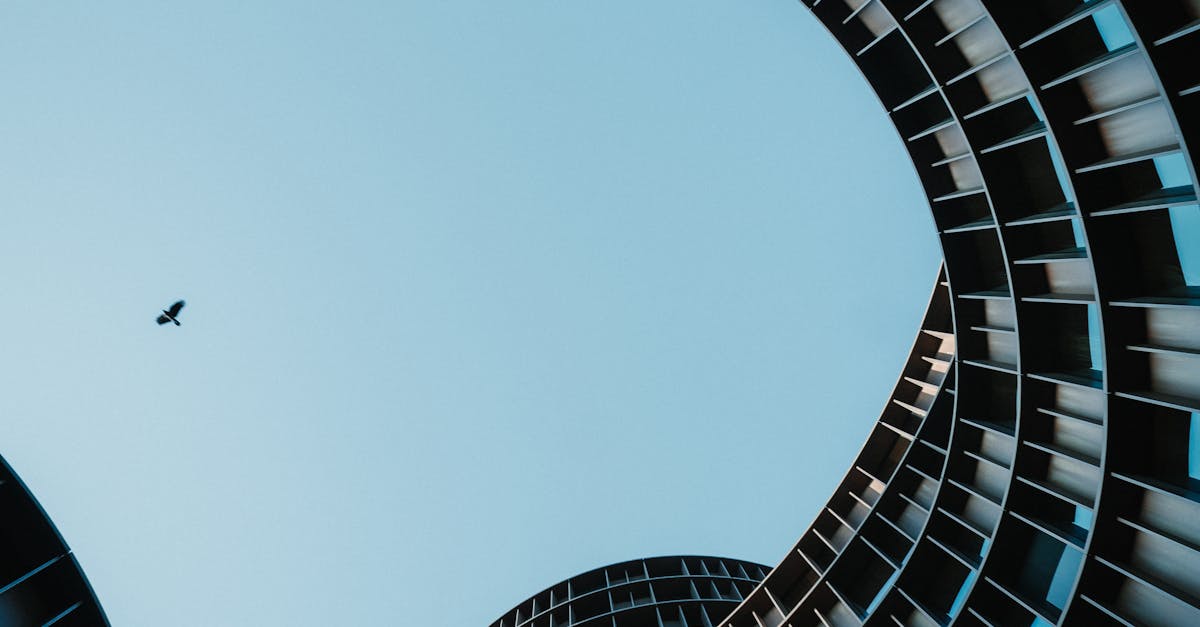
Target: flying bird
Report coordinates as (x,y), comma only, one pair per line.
(172,314)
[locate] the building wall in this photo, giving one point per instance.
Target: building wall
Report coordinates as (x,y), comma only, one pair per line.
(675,591)
(1053,475)
(40,581)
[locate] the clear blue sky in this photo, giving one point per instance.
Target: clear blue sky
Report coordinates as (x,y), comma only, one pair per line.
(480,295)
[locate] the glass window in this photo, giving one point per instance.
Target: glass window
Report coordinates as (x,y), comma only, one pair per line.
(1095,343)
(1114,30)
(1083,517)
(1172,170)
(1185,224)
(1185,221)
(961,597)
(1064,577)
(1194,448)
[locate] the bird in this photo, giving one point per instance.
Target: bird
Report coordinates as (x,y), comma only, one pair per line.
(172,314)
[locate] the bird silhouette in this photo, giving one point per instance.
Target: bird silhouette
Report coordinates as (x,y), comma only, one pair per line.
(172,314)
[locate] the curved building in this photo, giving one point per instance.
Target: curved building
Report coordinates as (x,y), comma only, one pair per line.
(661,591)
(1052,476)
(1039,460)
(41,584)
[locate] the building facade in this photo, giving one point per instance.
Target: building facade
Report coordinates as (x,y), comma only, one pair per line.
(670,591)
(1039,460)
(41,584)
(1044,467)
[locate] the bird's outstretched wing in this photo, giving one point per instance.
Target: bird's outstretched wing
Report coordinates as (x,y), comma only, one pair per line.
(163,320)
(174,310)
